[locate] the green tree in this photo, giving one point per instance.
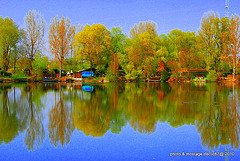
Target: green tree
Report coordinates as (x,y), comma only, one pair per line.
(9,37)
(118,40)
(40,64)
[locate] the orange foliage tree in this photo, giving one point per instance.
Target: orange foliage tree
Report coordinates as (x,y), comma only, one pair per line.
(114,64)
(60,125)
(161,66)
(234,38)
(60,36)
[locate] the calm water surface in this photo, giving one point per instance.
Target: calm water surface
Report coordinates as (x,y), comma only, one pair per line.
(135,121)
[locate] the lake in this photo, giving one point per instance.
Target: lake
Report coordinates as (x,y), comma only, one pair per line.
(119,121)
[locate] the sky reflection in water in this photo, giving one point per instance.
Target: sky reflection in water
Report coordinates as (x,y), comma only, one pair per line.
(118,121)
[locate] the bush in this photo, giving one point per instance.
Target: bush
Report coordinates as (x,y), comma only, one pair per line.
(1,73)
(134,74)
(4,73)
(165,75)
(174,75)
(110,75)
(7,74)
(212,76)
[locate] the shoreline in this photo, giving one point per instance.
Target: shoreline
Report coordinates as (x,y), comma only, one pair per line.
(102,80)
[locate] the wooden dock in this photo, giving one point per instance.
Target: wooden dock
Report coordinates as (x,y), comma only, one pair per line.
(154,80)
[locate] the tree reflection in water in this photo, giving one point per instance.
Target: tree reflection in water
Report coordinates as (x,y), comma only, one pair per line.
(220,121)
(60,125)
(21,111)
(93,115)
(8,120)
(212,108)
(141,111)
(31,109)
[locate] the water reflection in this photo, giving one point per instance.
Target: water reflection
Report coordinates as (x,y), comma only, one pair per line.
(96,109)
(60,125)
(8,120)
(21,112)
(32,116)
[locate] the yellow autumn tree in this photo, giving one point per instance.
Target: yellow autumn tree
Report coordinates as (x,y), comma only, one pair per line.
(206,36)
(141,50)
(93,44)
(148,26)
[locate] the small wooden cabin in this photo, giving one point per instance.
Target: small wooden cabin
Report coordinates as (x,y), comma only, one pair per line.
(78,75)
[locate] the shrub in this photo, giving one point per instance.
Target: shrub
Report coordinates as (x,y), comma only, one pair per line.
(174,75)
(212,76)
(134,74)
(165,75)
(1,73)
(110,75)
(4,73)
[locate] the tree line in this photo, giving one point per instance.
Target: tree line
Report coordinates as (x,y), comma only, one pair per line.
(141,54)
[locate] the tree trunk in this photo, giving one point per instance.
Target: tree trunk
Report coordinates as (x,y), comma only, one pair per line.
(5,58)
(60,72)
(14,66)
(30,67)
(91,71)
(234,69)
(234,66)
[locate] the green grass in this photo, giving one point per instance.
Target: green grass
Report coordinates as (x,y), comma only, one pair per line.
(19,76)
(15,76)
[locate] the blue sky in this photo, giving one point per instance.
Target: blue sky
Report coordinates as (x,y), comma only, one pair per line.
(168,14)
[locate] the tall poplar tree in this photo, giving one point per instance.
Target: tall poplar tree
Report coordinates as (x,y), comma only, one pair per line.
(34,35)
(60,38)
(234,38)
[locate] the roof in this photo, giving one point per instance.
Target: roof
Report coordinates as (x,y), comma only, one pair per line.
(197,70)
(88,69)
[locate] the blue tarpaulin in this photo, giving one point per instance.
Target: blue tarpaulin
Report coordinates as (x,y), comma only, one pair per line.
(86,74)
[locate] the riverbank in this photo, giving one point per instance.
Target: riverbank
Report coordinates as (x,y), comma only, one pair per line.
(13,80)
(105,80)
